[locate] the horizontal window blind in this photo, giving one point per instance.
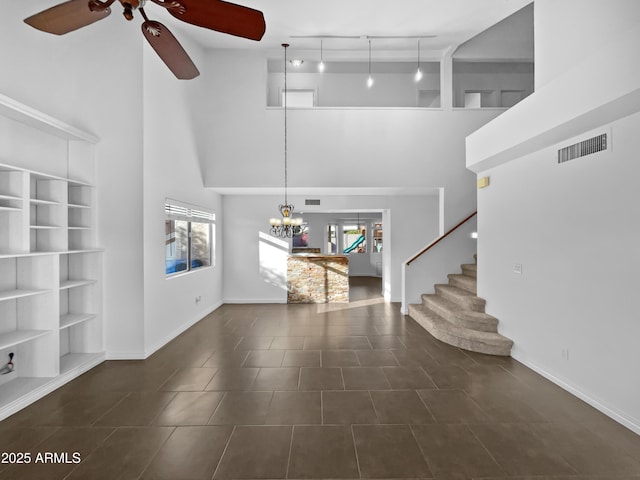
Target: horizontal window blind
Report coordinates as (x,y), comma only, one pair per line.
(175,210)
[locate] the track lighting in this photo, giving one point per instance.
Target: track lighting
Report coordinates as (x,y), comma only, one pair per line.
(418,75)
(370,78)
(321,64)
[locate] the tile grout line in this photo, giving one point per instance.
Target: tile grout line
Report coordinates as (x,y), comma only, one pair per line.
(375,410)
(226,446)
(468,427)
(93,424)
(158,449)
(175,394)
(355,449)
(429,377)
(426,460)
(286,475)
(217,407)
(427,407)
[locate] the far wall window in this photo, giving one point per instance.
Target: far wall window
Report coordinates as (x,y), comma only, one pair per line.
(188,238)
(355,238)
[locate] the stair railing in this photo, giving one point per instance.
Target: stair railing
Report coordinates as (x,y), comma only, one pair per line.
(404,307)
(439,239)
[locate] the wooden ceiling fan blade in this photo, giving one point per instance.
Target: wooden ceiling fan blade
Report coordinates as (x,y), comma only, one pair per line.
(169,50)
(223,17)
(66,17)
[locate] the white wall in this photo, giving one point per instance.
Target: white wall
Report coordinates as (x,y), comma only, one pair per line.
(572,229)
(332,147)
(568,31)
(573,226)
(255,263)
(173,128)
(491,44)
(91,78)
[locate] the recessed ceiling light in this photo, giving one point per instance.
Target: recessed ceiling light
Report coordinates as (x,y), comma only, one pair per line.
(296,62)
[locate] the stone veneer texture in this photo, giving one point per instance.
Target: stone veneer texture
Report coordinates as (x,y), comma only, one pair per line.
(318,279)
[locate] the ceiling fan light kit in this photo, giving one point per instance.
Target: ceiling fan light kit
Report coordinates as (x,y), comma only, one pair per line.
(214,15)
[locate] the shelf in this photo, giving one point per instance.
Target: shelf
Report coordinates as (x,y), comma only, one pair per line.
(78,183)
(44,227)
(88,250)
(20,293)
(9,197)
(20,336)
(71,319)
(38,201)
(66,284)
(45,216)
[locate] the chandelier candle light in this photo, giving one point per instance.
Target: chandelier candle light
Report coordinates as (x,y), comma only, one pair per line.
(287,226)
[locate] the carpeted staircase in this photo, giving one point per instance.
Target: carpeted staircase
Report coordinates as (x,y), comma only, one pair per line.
(455,315)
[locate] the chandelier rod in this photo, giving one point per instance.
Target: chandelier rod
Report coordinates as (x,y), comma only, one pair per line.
(285,45)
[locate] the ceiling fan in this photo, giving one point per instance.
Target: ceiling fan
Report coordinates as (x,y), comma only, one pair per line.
(215,15)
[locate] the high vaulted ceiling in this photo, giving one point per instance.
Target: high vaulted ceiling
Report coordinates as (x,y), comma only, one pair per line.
(452,22)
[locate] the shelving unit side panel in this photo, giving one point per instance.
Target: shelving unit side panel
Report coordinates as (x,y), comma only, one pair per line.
(64,342)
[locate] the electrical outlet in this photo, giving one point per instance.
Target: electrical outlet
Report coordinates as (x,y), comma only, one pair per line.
(198,298)
(517,268)
(565,353)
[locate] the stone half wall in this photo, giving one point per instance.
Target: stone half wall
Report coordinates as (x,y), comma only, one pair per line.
(317,279)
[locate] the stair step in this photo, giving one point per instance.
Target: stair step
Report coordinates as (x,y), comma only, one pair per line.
(464,282)
(454,313)
(489,343)
(470,269)
(464,298)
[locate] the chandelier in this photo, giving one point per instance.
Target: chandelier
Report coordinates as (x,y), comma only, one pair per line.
(286,226)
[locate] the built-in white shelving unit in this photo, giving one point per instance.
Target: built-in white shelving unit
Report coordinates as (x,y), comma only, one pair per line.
(50,265)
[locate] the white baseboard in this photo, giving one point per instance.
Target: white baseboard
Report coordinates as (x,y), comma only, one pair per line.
(185,326)
(618,417)
(254,300)
(166,339)
(125,356)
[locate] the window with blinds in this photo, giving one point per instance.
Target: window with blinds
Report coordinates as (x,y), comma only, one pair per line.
(189,234)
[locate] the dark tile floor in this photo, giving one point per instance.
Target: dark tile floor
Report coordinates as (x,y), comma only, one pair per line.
(317,391)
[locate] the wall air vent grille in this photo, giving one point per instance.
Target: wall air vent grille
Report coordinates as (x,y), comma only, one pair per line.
(581,149)
(311,202)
